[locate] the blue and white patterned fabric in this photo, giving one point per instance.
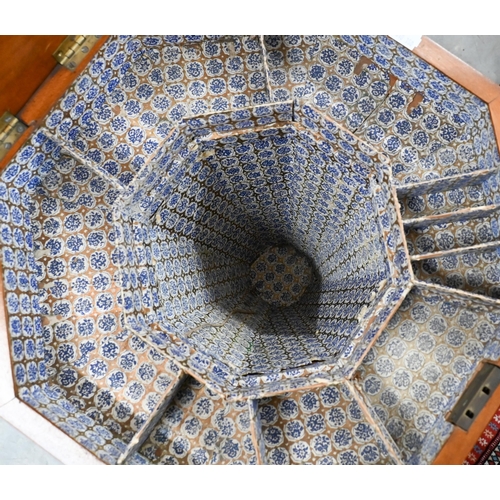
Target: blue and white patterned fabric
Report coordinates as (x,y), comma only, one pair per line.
(138,225)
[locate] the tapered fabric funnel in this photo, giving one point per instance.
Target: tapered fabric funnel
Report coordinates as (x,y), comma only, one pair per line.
(251,250)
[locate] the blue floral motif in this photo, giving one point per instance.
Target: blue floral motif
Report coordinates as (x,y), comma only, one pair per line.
(341,439)
(268,414)
(109,349)
(174,73)
(330,396)
(85,327)
(73,222)
(104,400)
(122,411)
(64,331)
(300,452)
(146,372)
(122,153)
(101,281)
(134,391)
(83,306)
(198,456)
(119,124)
(76,243)
(56,268)
(94,219)
(294,430)
(68,191)
(315,424)
(194,70)
(413,370)
(99,260)
(67,377)
(278,456)
(107,323)
(135,136)
(104,302)
(226,427)
(66,352)
(148,119)
(309,402)
(144,92)
(51,227)
(216,86)
(179,447)
(127,361)
(98,369)
(203,408)
(369,454)
(273,436)
(116,380)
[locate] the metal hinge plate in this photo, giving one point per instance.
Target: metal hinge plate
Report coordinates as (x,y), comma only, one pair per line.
(475,396)
(11,128)
(73,50)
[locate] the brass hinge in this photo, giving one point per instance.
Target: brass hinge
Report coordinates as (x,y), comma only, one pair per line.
(73,50)
(11,128)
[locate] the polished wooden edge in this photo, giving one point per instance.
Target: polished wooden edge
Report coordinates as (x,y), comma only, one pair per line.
(32,424)
(54,87)
(457,70)
(45,434)
(61,446)
(46,96)
(495,118)
(461,442)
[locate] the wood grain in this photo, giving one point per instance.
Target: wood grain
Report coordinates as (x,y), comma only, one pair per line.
(25,62)
(457,70)
(460,443)
(495,118)
(46,96)
(54,87)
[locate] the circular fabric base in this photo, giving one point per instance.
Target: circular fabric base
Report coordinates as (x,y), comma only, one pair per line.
(281,275)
